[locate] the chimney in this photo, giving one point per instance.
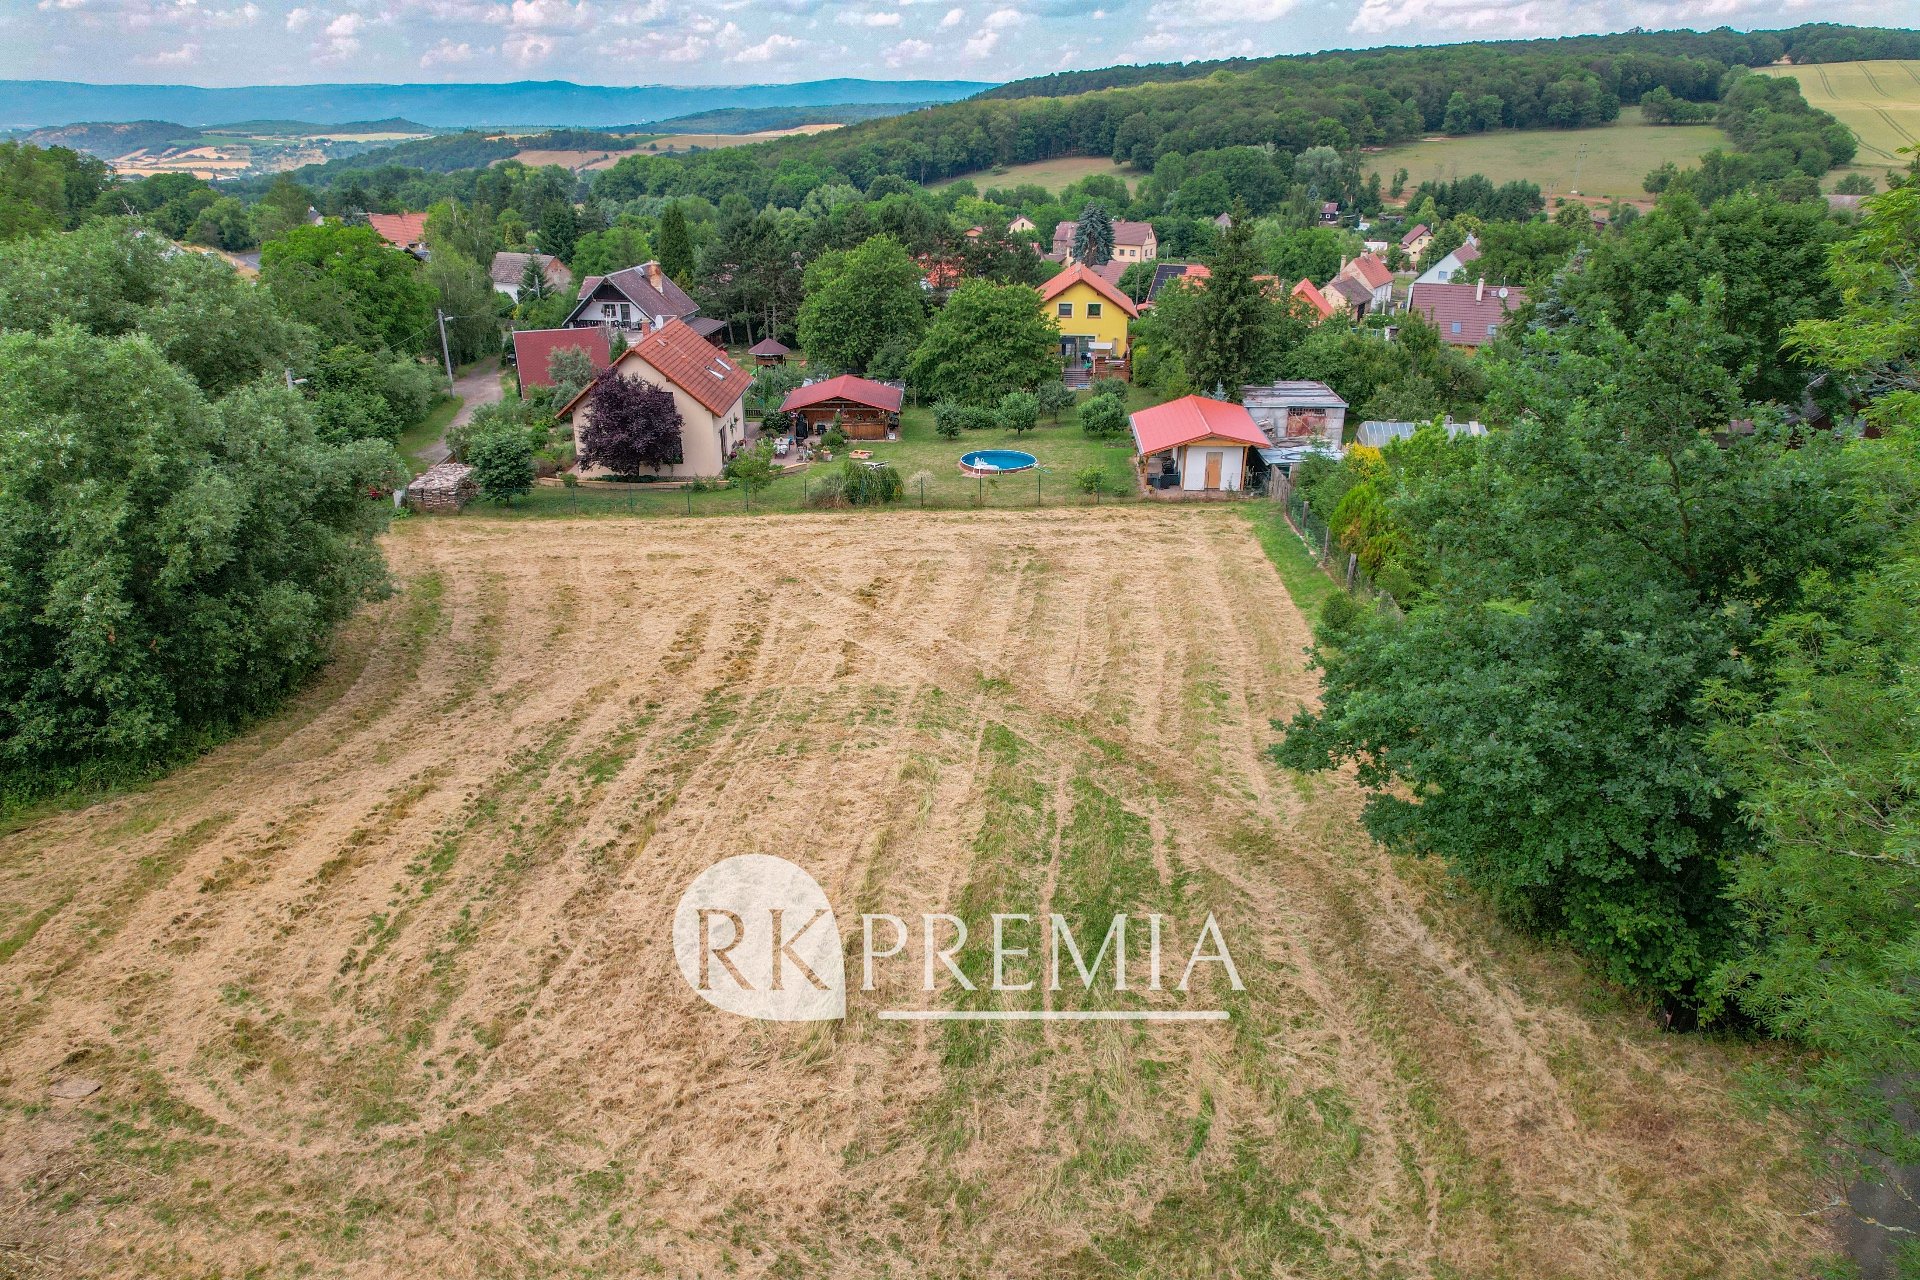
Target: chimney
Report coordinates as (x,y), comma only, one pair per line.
(1479,288)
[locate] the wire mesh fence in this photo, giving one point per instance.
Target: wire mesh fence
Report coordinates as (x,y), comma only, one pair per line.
(1332,556)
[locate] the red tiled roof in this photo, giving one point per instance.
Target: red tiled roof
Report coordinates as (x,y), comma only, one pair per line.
(1466,253)
(1310,294)
(1407,240)
(1369,270)
(845,387)
(400,229)
(1081,274)
(687,361)
(508,268)
(1193,418)
(1352,290)
(533,351)
(1465,314)
(1127,233)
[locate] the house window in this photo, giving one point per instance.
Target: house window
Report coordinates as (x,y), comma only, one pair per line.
(626,313)
(606,311)
(1093,311)
(1491,328)
(1456,326)
(1065,309)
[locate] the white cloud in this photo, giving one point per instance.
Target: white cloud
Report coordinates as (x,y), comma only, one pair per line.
(180,57)
(1187,14)
(907,51)
(346,24)
(953,19)
(1001,19)
(297,19)
(981,43)
(447,52)
(527,48)
(882,19)
(767,50)
(549,15)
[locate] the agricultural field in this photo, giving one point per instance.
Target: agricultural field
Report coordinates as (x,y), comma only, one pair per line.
(386,987)
(1609,162)
(1062,171)
(1879,101)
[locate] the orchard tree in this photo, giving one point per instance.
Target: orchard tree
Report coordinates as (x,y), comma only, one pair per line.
(631,425)
(1019,412)
(1104,417)
(570,368)
(1055,398)
(858,302)
(988,340)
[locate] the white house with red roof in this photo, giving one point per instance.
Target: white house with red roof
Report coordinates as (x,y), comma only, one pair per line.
(402,230)
(1132,242)
(1309,294)
(638,298)
(1196,444)
(1452,265)
(708,390)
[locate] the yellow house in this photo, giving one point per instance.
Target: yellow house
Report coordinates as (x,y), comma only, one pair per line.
(1092,315)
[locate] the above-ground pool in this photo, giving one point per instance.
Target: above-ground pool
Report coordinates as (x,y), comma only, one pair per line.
(994,462)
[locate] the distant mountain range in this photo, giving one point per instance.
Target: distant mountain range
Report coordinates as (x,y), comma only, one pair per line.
(32,104)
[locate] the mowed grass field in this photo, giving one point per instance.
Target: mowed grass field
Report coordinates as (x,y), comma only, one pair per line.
(1879,101)
(1054,174)
(1611,161)
(385,987)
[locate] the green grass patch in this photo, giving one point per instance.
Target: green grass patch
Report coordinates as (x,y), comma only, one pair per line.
(1306,583)
(929,464)
(417,438)
(1610,160)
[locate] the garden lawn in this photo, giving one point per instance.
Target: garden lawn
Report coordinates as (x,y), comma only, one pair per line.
(929,464)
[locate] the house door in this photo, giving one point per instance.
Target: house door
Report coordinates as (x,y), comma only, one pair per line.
(1214,459)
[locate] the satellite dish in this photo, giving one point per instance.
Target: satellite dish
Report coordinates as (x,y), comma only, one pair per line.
(1503,291)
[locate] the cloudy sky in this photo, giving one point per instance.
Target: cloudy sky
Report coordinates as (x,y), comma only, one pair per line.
(625,42)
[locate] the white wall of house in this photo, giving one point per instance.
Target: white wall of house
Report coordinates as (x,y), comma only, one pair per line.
(705,437)
(1193,464)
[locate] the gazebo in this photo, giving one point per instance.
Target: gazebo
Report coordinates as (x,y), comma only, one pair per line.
(768,351)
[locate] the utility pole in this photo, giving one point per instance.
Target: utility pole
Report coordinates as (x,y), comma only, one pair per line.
(446,355)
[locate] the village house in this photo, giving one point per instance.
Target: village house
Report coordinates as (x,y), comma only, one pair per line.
(768,351)
(1132,242)
(1347,294)
(1022,223)
(1467,315)
(1414,243)
(1370,271)
(708,391)
(1092,315)
(509,269)
(862,408)
(533,351)
(1195,444)
(1330,212)
(1315,301)
(402,230)
(638,298)
(1165,273)
(1450,264)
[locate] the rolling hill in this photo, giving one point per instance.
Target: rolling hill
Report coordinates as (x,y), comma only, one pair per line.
(27,104)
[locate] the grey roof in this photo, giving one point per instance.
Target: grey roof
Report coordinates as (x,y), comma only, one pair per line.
(633,284)
(508,268)
(1378,435)
(1291,395)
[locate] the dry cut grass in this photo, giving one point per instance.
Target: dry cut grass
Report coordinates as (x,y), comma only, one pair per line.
(384,989)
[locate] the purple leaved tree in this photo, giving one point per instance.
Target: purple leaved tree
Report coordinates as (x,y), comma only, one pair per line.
(631,425)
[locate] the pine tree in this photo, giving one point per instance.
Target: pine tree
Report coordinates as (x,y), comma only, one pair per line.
(1233,320)
(533,281)
(676,245)
(1093,236)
